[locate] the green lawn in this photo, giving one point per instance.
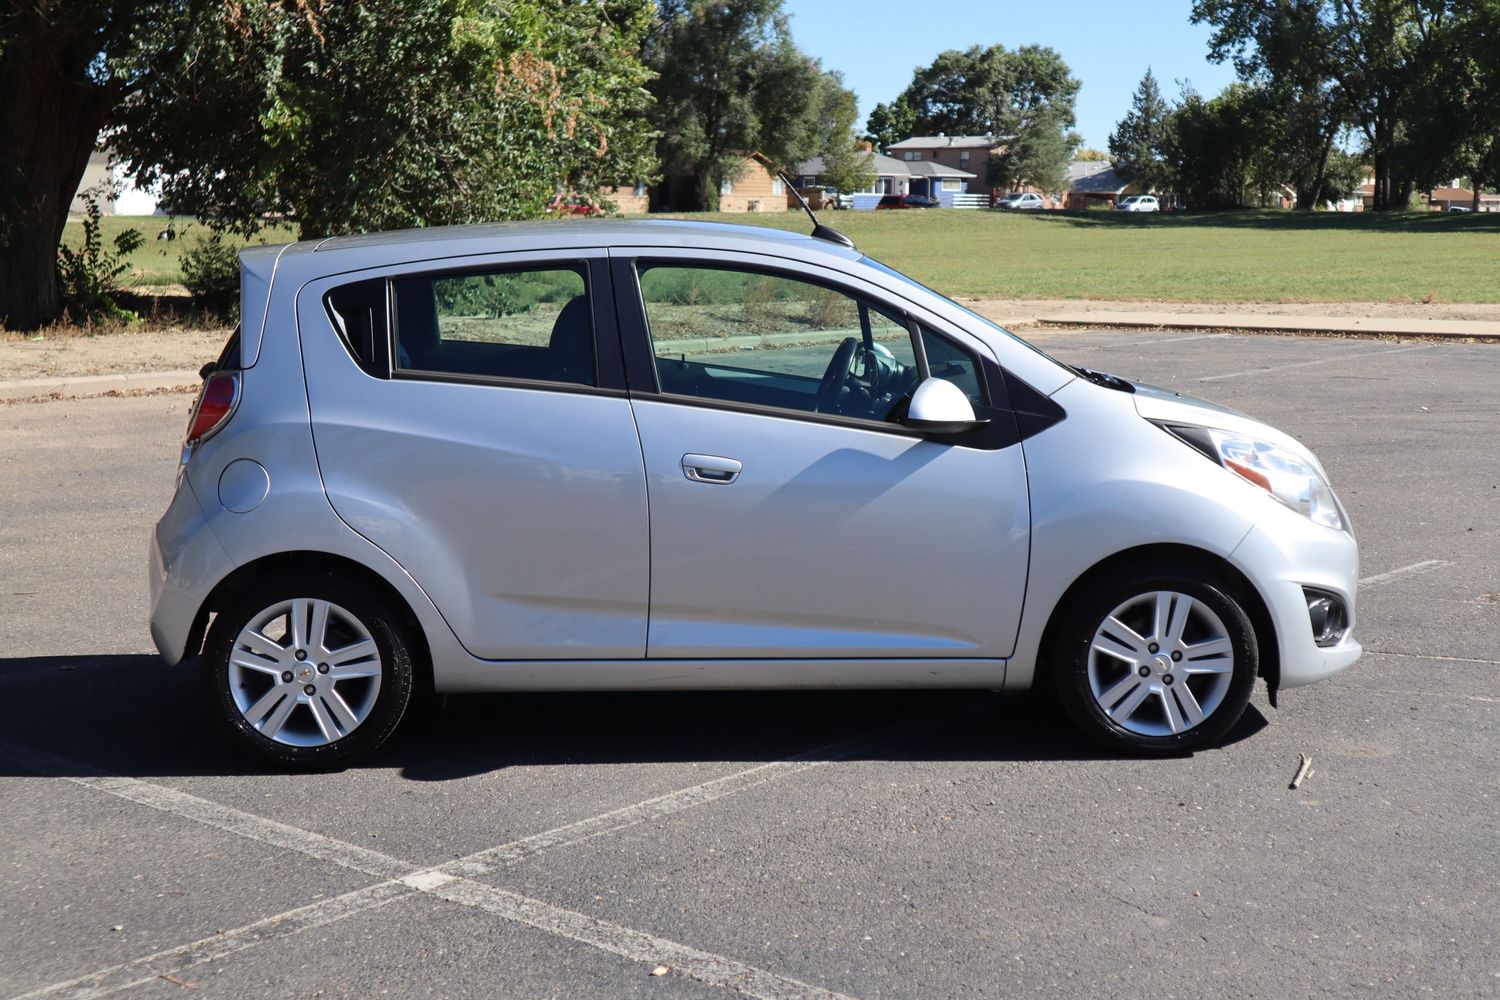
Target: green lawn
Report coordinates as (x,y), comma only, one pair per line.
(1228,256)
(156,263)
(1236,256)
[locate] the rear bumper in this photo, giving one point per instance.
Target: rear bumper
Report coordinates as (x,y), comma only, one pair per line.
(1280,560)
(184,563)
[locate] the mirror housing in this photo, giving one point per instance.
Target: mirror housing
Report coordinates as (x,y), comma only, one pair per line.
(940,407)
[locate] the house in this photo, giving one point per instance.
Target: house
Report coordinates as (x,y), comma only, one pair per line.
(1095,182)
(112,188)
(750,187)
(894,176)
(628,199)
(1453,196)
(966,153)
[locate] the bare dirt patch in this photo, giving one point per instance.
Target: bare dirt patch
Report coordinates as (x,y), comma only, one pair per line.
(1023,313)
(130,350)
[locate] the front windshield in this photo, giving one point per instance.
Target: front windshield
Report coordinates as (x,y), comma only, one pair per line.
(991,324)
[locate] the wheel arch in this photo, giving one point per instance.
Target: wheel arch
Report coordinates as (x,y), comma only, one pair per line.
(1214,566)
(243,578)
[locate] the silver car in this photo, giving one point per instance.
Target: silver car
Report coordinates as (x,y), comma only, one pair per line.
(663,455)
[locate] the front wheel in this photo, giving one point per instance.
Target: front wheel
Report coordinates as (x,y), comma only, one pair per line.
(1156,665)
(309,673)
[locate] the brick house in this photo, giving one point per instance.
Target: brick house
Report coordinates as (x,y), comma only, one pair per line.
(968,153)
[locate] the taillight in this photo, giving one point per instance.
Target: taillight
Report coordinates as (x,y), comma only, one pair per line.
(216,401)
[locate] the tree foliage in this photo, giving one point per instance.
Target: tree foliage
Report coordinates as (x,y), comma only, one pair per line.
(729,81)
(1140,142)
(846,166)
(889,123)
(386,114)
(342,116)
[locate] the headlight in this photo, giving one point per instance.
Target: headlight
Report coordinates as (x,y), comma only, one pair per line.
(1280,473)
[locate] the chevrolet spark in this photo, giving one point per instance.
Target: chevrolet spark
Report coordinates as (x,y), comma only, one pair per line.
(664,455)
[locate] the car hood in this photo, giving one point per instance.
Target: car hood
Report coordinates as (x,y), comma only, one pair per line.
(1167,406)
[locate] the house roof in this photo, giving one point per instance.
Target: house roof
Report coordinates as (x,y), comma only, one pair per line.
(1079,169)
(949,142)
(1458,194)
(1106,181)
(889,166)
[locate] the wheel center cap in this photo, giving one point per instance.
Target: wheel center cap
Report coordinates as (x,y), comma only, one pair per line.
(305,672)
(1163,664)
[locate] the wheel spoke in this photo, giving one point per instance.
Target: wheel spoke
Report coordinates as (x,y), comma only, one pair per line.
(317,629)
(345,716)
(326,725)
(256,712)
(297,621)
(259,642)
(1120,689)
(277,719)
(1127,707)
(353,658)
(1191,710)
(1174,714)
(249,661)
(1119,640)
(1177,620)
(1215,656)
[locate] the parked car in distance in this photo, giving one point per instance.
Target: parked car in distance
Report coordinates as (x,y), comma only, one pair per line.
(523,457)
(572,205)
(1139,203)
(896,201)
(1021,201)
(1459,208)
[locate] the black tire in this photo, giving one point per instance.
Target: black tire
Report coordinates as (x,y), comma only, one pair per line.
(1072,636)
(387,624)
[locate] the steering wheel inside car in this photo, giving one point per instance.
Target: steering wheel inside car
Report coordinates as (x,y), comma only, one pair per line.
(836,375)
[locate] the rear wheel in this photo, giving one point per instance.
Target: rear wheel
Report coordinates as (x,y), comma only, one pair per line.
(309,673)
(1156,665)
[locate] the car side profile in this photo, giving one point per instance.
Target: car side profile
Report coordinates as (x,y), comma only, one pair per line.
(1139,203)
(1021,201)
(610,455)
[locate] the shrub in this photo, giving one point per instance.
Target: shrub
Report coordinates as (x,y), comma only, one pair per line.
(88,277)
(211,274)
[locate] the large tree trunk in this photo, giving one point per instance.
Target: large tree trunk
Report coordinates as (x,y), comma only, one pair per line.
(1308,200)
(48,126)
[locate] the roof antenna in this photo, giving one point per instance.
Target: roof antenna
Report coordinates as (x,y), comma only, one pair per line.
(820,231)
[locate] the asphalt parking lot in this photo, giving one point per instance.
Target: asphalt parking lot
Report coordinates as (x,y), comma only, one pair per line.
(777,845)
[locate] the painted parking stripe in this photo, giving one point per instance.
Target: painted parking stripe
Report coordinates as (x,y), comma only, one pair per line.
(638,946)
(1316,361)
(1426,566)
(409,879)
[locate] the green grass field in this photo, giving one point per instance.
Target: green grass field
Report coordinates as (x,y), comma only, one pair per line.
(157,262)
(1220,257)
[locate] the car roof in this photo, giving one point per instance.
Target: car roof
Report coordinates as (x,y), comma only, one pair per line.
(601,232)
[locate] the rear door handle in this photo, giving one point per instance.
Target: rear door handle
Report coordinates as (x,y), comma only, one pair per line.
(711,469)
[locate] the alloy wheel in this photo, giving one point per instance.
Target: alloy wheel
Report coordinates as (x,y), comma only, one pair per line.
(1160,663)
(304,672)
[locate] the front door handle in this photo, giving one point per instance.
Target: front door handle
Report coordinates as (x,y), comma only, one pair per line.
(711,469)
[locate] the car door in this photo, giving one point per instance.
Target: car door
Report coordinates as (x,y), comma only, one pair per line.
(790,516)
(469,422)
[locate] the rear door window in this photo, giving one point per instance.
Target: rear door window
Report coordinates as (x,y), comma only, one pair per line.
(519,323)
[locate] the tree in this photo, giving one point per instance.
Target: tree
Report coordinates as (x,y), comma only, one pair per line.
(1139,143)
(1037,157)
(341,116)
(1370,63)
(888,124)
(384,114)
(993,91)
(846,167)
(729,82)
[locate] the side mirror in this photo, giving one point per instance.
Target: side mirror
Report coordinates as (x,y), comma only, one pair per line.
(940,407)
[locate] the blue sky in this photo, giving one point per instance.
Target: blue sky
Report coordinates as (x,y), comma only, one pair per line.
(877,43)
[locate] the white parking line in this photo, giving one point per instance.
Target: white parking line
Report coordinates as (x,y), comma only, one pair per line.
(1316,361)
(446,881)
(1426,566)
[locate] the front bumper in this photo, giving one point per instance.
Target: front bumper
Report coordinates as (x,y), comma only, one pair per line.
(1282,558)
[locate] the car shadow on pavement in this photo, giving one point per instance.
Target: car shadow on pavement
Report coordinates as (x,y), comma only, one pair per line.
(132,716)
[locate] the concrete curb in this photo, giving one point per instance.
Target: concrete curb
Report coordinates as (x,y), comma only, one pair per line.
(1283,323)
(95,385)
